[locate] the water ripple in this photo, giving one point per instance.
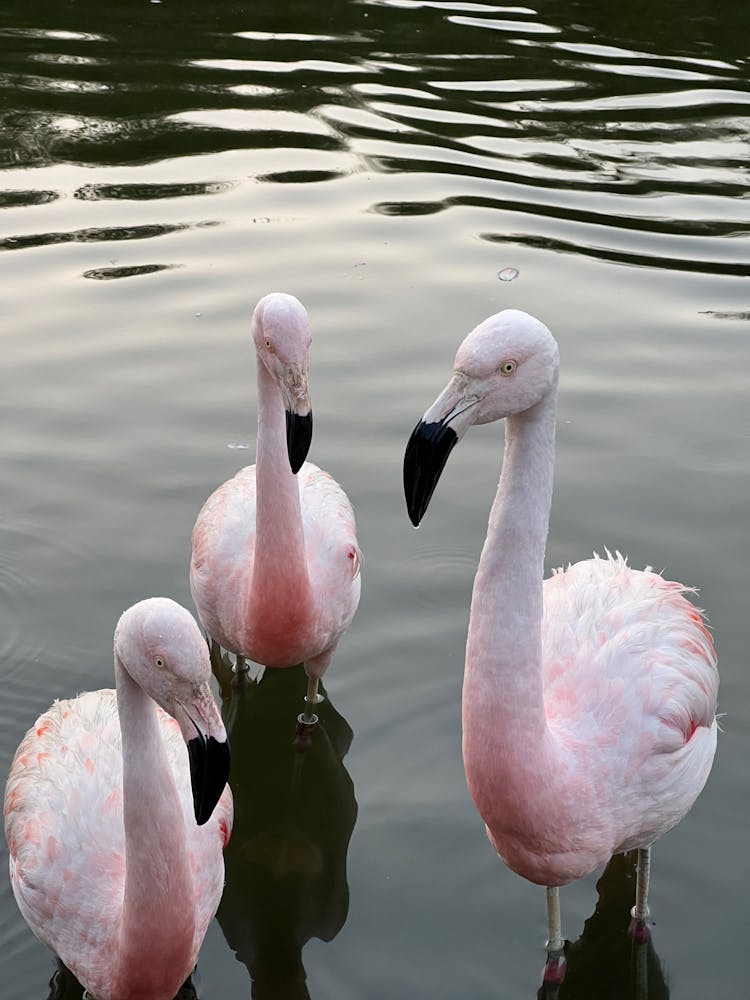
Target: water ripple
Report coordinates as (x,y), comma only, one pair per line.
(414,90)
(19,537)
(151,192)
(451,567)
(16,199)
(702,101)
(98,235)
(132,271)
(513,27)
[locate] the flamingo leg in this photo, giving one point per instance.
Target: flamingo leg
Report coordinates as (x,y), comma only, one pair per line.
(307,720)
(554,968)
(639,929)
(312,698)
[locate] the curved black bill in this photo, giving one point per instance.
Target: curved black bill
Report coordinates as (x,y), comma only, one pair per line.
(424,459)
(209,771)
(298,438)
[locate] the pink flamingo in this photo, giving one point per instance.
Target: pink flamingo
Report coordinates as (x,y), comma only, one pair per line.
(275,569)
(115,829)
(589,699)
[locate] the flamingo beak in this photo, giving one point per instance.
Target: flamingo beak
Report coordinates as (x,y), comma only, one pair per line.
(299,422)
(299,429)
(208,751)
(209,772)
(426,453)
(432,441)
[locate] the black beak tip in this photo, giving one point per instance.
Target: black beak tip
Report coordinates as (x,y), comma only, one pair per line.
(298,438)
(209,772)
(426,453)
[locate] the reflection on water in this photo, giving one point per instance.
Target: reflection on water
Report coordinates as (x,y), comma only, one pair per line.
(604,963)
(294,815)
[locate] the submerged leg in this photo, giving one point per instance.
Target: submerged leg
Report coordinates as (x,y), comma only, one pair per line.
(554,967)
(639,929)
(308,720)
(241,673)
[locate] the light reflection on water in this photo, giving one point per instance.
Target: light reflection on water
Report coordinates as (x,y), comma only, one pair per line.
(384,161)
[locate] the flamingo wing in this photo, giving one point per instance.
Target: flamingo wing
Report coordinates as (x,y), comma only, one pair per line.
(65,834)
(223,548)
(63,824)
(630,686)
(333,554)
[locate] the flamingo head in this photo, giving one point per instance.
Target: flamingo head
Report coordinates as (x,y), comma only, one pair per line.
(505,366)
(281,334)
(158,643)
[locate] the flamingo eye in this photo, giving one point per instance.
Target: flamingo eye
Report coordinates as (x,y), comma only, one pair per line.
(508,367)
(159,661)
(268,343)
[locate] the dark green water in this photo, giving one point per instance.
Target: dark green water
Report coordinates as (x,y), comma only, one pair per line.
(164,165)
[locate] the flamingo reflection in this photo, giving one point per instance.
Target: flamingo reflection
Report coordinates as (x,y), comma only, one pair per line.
(605,962)
(294,815)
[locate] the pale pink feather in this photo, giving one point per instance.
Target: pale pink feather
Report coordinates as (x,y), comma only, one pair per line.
(66,839)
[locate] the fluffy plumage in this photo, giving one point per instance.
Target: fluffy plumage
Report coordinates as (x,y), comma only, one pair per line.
(65,828)
(273,632)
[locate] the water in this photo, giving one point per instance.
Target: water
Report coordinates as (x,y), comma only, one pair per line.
(387,162)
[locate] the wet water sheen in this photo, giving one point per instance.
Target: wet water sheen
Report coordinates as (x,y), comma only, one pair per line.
(405,168)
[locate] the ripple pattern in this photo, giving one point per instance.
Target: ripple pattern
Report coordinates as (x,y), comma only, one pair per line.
(633,152)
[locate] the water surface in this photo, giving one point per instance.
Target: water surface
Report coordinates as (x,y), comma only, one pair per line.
(389,163)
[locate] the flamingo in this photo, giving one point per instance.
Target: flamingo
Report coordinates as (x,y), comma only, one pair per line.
(589,698)
(115,829)
(275,567)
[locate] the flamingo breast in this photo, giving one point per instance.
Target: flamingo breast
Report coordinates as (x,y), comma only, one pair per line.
(281,620)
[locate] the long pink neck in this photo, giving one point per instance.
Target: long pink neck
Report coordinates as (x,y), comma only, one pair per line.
(157,925)
(280,567)
(503,705)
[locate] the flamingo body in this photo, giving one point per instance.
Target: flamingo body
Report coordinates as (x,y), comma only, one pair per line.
(87,888)
(589,699)
(281,622)
(275,567)
(630,686)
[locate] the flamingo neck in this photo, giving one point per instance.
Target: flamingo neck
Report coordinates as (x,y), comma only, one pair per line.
(280,568)
(503,703)
(158,922)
